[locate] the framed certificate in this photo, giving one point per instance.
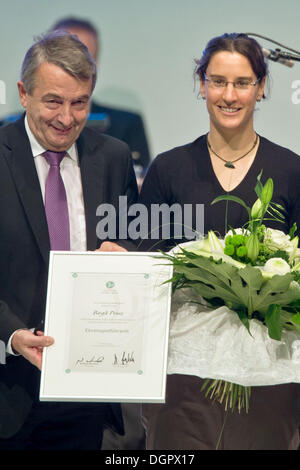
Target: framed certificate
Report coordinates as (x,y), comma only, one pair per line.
(109,316)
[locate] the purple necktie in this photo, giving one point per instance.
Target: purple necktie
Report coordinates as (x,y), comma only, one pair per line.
(56,204)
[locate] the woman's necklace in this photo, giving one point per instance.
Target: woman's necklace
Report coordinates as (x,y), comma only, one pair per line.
(230,164)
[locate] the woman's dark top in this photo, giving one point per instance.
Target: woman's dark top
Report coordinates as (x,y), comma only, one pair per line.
(188,419)
(184,175)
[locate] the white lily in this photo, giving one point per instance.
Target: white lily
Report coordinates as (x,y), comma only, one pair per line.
(293,253)
(215,244)
(204,248)
(296,267)
(219,255)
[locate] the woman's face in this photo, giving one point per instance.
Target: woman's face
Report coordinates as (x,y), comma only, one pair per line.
(230,108)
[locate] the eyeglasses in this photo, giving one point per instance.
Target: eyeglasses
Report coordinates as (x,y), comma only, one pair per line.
(241,84)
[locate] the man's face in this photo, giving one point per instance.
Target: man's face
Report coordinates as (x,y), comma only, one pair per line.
(58,108)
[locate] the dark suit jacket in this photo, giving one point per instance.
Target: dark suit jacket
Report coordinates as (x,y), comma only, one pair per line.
(126,126)
(106,171)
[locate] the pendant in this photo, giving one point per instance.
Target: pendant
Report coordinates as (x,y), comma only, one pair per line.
(229,165)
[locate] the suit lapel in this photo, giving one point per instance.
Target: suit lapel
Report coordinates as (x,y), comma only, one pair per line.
(92,167)
(20,160)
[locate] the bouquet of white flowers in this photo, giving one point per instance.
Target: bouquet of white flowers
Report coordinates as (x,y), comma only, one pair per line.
(254,272)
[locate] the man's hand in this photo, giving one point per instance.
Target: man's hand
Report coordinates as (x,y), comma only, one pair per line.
(31,345)
(110,246)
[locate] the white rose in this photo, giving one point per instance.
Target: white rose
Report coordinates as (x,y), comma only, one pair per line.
(277,240)
(295,285)
(276,266)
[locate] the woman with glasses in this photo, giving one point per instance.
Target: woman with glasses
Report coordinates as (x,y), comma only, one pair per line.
(232,73)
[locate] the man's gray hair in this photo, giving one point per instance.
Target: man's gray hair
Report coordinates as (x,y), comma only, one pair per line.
(62,49)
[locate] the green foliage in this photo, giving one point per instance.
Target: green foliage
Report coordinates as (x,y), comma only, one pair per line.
(232,277)
(237,240)
(293,230)
(241,251)
(227,393)
(235,246)
(229,250)
(246,290)
(273,321)
(257,215)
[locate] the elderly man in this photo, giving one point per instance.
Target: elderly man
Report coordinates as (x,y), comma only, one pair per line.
(53,176)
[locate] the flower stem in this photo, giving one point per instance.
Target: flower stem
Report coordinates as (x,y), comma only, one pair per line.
(222,429)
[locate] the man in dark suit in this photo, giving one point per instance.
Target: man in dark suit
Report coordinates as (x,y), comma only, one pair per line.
(57,80)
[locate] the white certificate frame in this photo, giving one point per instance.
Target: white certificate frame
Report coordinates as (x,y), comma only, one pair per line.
(91,309)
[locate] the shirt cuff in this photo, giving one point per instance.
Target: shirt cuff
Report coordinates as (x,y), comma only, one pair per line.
(9,349)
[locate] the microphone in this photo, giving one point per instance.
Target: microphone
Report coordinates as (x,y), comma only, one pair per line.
(278,56)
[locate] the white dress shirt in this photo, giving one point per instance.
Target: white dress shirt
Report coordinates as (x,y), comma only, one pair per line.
(70,173)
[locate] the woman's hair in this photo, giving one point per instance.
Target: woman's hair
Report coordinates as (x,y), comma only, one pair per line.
(234,42)
(62,49)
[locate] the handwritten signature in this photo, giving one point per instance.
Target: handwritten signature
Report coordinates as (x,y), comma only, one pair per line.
(125,359)
(92,360)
